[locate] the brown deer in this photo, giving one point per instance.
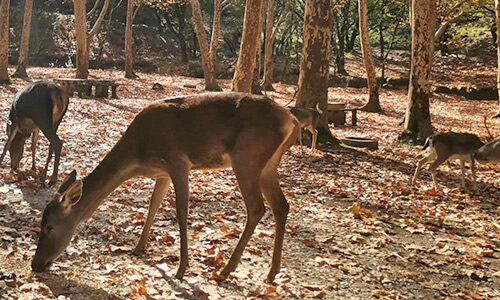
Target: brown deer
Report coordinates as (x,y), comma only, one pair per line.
(39,106)
(165,141)
(308,119)
(450,145)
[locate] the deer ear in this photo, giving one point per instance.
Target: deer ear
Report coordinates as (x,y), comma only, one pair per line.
(72,194)
(67,182)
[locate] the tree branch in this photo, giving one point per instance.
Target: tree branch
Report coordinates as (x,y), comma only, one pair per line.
(97,24)
(92,11)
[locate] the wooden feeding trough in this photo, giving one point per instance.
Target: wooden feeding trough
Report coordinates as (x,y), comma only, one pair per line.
(336,113)
(359,142)
(84,87)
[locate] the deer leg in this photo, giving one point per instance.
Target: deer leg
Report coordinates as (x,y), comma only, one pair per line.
(11,137)
(161,188)
(55,146)
(274,195)
(473,171)
(433,167)
(43,175)
(420,164)
(248,176)
(181,185)
(34,142)
(314,134)
(462,168)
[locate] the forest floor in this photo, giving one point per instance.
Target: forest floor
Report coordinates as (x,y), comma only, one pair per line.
(404,243)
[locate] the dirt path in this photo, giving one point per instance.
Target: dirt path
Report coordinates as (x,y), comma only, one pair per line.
(406,244)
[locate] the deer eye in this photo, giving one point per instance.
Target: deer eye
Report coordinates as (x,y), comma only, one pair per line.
(49,228)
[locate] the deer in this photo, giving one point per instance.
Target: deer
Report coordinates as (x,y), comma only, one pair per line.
(165,141)
(490,152)
(40,106)
(308,119)
(448,146)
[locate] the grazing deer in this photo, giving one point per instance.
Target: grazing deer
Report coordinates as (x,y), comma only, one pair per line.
(450,145)
(39,106)
(489,152)
(308,119)
(165,141)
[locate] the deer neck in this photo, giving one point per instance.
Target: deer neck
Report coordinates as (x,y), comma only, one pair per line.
(115,168)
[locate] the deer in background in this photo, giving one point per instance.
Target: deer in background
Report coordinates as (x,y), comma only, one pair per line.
(38,106)
(165,141)
(308,119)
(489,152)
(446,146)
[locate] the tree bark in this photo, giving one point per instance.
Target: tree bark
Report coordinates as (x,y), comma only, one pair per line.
(25,38)
(181,36)
(373,104)
(315,62)
(82,51)
(207,53)
(497,17)
(256,88)
(267,80)
(418,126)
(4,41)
(129,56)
(245,67)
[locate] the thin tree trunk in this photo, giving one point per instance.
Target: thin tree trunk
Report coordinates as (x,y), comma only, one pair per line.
(129,55)
(418,126)
(25,38)
(181,19)
(82,51)
(497,16)
(256,88)
(205,50)
(245,67)
(315,62)
(98,22)
(4,41)
(373,104)
(267,80)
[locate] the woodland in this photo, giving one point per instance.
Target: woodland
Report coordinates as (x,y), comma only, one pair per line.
(358,226)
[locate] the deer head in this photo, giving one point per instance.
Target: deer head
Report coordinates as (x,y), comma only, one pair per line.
(58,223)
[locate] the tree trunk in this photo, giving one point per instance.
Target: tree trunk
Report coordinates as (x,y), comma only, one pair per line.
(497,14)
(82,52)
(256,88)
(181,19)
(98,22)
(417,126)
(373,104)
(25,38)
(267,80)
(4,41)
(245,67)
(206,52)
(314,64)
(129,55)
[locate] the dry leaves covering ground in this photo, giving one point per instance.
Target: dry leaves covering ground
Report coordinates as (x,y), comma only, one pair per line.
(397,243)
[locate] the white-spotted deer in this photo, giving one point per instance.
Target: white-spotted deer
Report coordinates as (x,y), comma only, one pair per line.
(308,119)
(450,145)
(39,106)
(165,141)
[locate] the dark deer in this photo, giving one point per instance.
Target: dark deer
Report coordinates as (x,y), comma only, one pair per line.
(38,106)
(450,145)
(165,141)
